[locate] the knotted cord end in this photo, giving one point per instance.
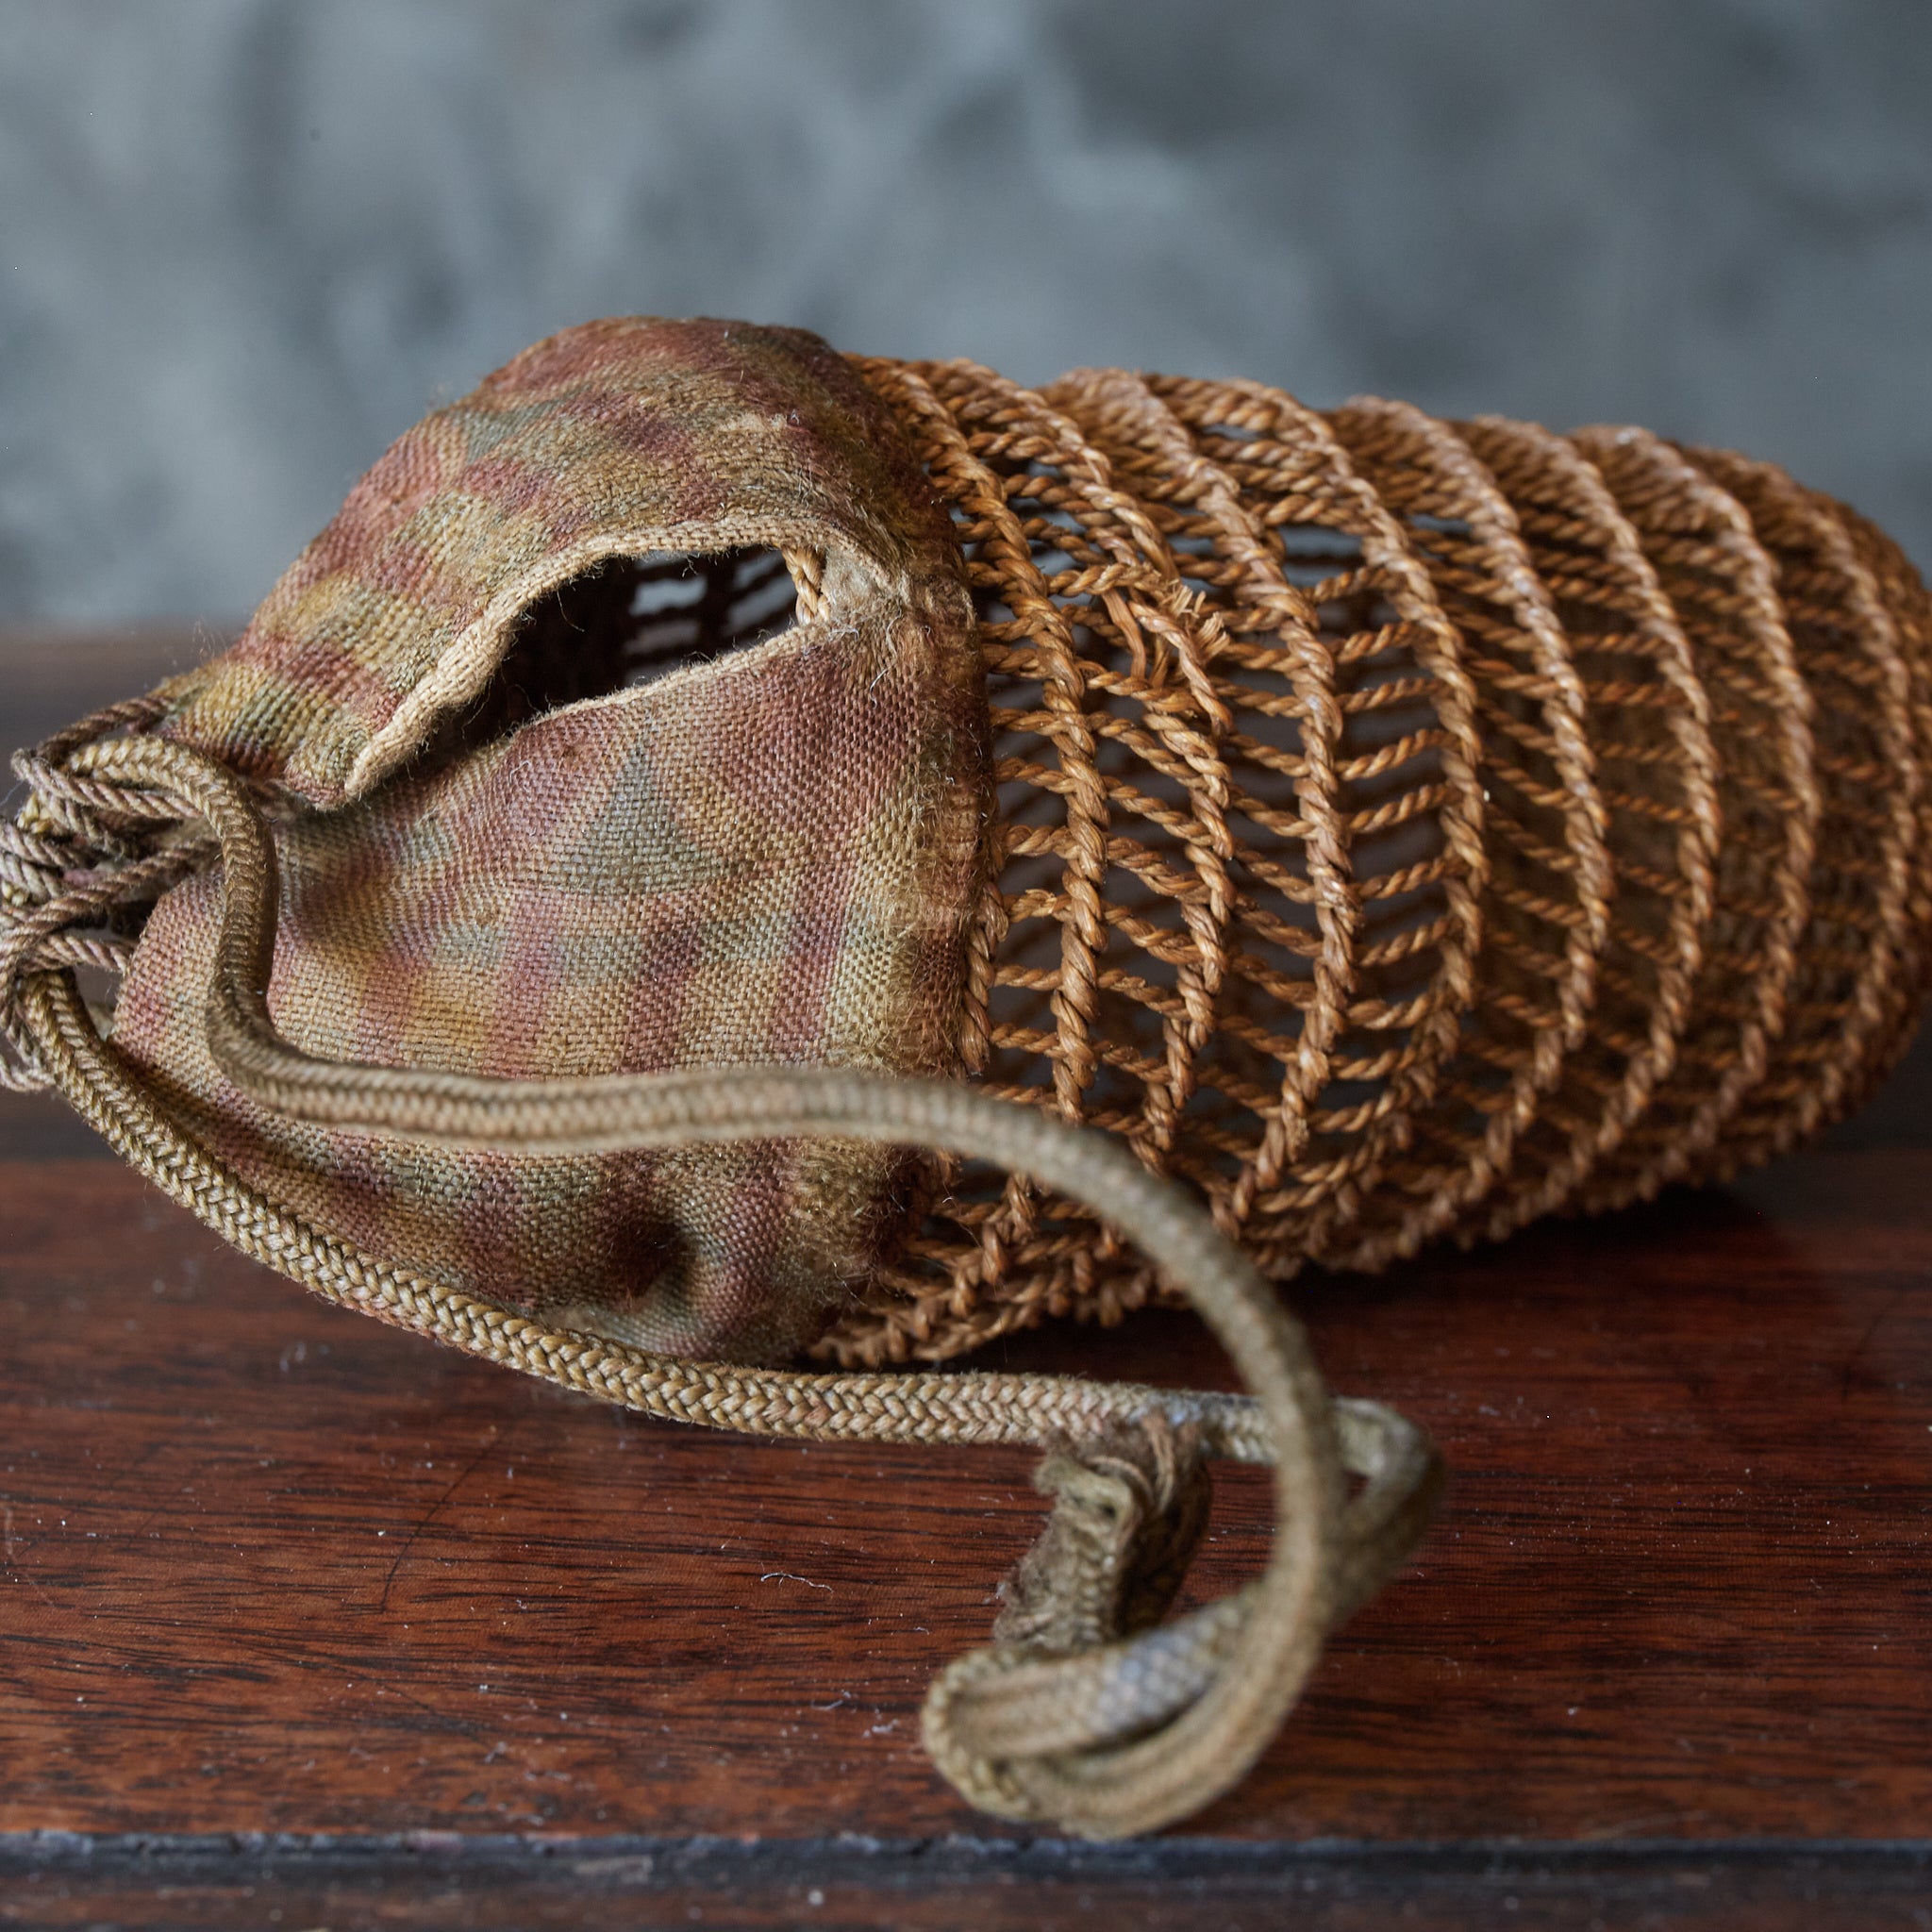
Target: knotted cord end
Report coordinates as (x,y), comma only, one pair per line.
(76,853)
(1128,1510)
(1082,1676)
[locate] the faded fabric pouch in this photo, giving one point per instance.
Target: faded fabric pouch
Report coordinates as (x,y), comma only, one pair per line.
(768,858)
(590,1018)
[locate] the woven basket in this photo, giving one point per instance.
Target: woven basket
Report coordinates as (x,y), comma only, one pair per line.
(1396,830)
(1408,828)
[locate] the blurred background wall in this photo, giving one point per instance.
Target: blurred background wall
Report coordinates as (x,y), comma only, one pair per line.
(245,242)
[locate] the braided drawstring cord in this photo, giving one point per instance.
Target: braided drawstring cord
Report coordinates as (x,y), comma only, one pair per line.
(1080,1715)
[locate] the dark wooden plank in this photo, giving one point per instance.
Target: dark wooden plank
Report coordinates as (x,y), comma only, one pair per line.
(483,1884)
(50,676)
(42,1126)
(273,1568)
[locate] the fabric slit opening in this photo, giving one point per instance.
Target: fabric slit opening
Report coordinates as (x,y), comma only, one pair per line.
(625,624)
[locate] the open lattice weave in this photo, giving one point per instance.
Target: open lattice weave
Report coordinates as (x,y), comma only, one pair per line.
(1408,827)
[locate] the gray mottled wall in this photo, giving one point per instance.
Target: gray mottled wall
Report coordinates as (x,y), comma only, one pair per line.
(248,241)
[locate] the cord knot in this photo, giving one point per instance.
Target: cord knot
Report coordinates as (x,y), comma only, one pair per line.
(1128,1510)
(77,855)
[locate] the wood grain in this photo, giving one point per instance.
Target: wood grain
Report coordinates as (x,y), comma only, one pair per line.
(271,1567)
(302,1617)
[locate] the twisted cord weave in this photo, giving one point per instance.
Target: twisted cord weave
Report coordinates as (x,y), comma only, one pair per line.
(1408,828)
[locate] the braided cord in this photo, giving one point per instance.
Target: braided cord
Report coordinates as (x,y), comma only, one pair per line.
(1065,1739)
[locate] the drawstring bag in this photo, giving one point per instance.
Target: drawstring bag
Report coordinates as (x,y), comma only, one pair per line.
(723,854)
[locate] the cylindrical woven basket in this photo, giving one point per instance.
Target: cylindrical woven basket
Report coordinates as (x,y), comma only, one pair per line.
(1407,827)
(1395,830)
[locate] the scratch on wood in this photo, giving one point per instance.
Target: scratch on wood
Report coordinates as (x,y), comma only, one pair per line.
(435,1510)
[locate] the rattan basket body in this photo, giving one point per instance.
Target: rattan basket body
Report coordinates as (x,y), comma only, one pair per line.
(1405,828)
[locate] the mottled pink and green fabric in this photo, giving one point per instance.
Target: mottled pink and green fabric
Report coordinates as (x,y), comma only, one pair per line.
(611,439)
(766,859)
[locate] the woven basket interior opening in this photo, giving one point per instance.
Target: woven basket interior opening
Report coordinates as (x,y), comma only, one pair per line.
(629,621)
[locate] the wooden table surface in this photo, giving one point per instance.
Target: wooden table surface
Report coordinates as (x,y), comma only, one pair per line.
(308,1622)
